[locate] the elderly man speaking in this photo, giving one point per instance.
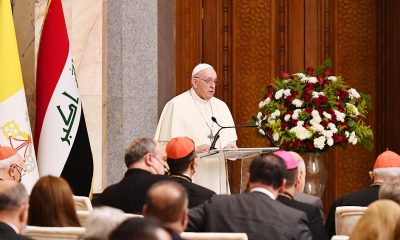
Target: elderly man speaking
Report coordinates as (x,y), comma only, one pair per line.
(190,115)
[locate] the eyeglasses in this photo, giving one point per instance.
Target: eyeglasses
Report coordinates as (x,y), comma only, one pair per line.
(166,168)
(208,81)
(21,171)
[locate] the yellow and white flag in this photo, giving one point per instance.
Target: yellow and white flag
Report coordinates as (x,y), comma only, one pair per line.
(15,128)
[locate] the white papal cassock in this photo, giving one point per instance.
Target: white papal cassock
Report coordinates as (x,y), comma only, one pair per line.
(188,115)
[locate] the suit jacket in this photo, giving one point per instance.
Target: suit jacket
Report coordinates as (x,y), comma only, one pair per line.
(360,198)
(8,233)
(254,213)
(310,199)
(196,193)
(315,222)
(129,194)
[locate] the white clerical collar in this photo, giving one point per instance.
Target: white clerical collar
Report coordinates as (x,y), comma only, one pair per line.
(196,97)
(263,190)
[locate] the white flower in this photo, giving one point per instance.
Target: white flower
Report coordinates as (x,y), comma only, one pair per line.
(304,79)
(261,131)
(327,133)
(332,78)
(286,93)
(265,102)
(287,80)
(327,115)
(296,114)
(320,142)
(287,117)
(297,102)
(332,127)
(261,104)
(300,75)
(301,132)
(347,134)
(275,136)
(339,116)
(277,113)
(279,94)
(352,109)
(353,93)
(300,123)
(317,127)
(352,137)
(329,142)
(312,80)
(316,120)
(259,115)
(315,113)
(354,142)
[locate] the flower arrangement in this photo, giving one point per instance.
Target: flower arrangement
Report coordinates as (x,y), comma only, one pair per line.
(312,111)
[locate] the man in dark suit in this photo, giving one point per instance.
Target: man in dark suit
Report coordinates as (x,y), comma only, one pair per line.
(146,162)
(167,201)
(315,222)
(182,161)
(256,212)
(13,210)
(387,165)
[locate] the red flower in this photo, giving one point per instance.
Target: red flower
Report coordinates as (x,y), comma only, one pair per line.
(307,97)
(325,122)
(327,82)
(294,93)
(289,99)
(357,118)
(317,101)
(327,72)
(269,95)
(284,124)
(284,75)
(323,99)
(343,125)
(294,122)
(297,144)
(310,71)
(310,146)
(338,92)
(270,132)
(270,88)
(309,110)
(320,79)
(309,86)
(344,94)
(339,138)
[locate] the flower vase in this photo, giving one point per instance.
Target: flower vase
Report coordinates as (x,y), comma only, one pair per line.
(315,174)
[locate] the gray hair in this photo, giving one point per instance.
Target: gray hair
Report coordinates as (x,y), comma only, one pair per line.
(12,197)
(387,172)
(102,221)
(137,149)
(390,189)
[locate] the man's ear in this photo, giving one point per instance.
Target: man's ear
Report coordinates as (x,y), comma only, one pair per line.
(247,181)
(147,159)
(144,210)
(299,177)
(23,213)
(371,175)
(185,218)
(281,188)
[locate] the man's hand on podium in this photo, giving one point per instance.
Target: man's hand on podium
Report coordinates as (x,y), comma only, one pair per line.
(203,148)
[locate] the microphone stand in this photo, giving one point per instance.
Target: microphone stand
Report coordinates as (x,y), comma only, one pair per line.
(240,126)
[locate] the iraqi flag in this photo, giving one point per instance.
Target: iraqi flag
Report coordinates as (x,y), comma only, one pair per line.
(61,137)
(15,128)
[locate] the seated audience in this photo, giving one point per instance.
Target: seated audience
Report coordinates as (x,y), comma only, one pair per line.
(140,229)
(255,212)
(381,221)
(11,164)
(286,197)
(102,221)
(390,189)
(387,165)
(182,161)
(299,194)
(13,210)
(51,204)
(146,163)
(168,202)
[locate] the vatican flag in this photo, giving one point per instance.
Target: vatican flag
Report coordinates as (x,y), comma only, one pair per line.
(15,129)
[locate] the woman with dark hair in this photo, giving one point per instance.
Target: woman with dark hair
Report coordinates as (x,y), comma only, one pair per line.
(51,204)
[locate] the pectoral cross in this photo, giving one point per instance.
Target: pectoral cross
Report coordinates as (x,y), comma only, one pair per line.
(211,136)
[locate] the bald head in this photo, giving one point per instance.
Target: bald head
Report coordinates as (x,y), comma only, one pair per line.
(301,174)
(166,201)
(12,195)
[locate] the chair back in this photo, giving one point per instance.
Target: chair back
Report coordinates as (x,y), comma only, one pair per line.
(346,218)
(213,236)
(82,203)
(83,216)
(54,233)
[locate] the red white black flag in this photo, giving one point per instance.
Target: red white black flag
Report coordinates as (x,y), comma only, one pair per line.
(61,137)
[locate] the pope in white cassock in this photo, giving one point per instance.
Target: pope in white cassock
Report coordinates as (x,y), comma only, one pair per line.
(189,115)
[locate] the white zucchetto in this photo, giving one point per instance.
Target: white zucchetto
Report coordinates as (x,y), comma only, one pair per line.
(200,67)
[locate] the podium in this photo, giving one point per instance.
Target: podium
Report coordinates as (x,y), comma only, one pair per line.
(243,154)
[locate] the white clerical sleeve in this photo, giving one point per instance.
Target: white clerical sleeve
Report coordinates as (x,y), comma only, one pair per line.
(164,127)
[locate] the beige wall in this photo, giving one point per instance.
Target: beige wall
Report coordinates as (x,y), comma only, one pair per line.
(84,20)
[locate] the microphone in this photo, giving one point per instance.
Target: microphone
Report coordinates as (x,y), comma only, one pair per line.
(240,126)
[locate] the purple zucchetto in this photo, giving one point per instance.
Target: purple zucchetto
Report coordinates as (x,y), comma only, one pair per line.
(290,161)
